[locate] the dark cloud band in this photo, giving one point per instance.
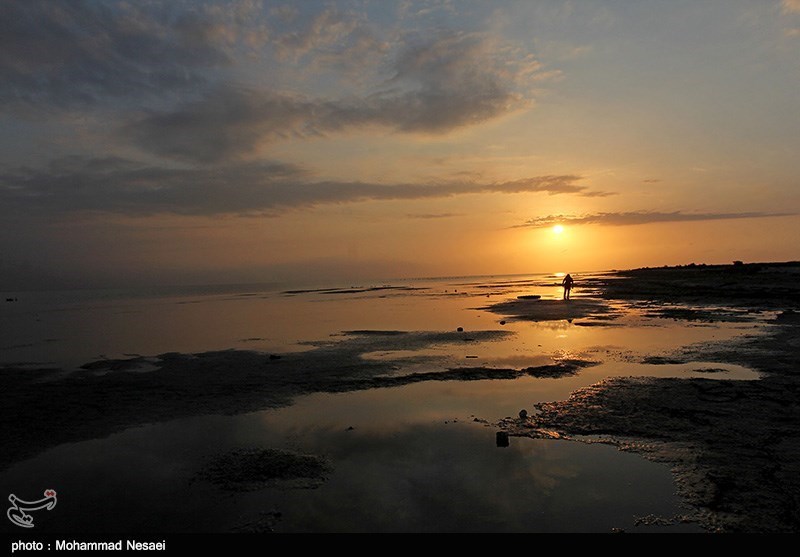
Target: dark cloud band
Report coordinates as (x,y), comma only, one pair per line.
(124,186)
(81,53)
(448,82)
(638,217)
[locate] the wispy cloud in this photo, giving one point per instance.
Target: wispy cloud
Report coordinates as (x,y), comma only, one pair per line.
(790,6)
(792,9)
(78,53)
(431,216)
(638,217)
(183,65)
(330,40)
(124,186)
(228,123)
(447,82)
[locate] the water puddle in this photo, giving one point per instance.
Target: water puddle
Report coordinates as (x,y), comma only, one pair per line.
(402,460)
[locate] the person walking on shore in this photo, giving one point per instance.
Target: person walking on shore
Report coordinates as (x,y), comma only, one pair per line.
(567,284)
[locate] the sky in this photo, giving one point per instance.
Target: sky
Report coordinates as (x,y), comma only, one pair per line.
(189,142)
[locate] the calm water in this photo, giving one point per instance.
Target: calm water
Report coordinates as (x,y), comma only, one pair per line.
(404,459)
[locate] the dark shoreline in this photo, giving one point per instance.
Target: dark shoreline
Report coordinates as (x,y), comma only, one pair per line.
(733,446)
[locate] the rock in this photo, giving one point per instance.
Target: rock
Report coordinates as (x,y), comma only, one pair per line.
(502,439)
(523,414)
(460,329)
(502,322)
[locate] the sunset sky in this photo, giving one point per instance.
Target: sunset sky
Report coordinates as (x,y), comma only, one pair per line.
(175,142)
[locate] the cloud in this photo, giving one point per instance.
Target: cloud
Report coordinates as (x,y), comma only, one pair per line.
(116,185)
(454,79)
(229,123)
(790,6)
(638,217)
(551,184)
(431,216)
(325,29)
(76,53)
(330,40)
(178,78)
(443,83)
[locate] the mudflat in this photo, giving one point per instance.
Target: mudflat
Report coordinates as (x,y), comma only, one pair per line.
(733,446)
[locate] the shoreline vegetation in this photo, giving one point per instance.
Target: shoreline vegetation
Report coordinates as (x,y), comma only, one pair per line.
(733,446)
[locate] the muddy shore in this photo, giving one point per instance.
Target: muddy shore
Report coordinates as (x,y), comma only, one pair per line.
(108,396)
(733,446)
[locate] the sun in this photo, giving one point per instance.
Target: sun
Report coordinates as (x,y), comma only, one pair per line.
(558,229)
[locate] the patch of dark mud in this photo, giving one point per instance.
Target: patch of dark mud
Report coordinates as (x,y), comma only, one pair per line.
(563,368)
(655,520)
(353,290)
(774,349)
(734,446)
(371,332)
(788,317)
(45,407)
(662,360)
(686,314)
(766,286)
(135,363)
(251,469)
(553,310)
(602,317)
(703,315)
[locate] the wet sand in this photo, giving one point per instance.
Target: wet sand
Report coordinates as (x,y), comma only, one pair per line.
(733,446)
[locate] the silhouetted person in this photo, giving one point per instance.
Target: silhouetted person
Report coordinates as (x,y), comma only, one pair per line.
(567,284)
